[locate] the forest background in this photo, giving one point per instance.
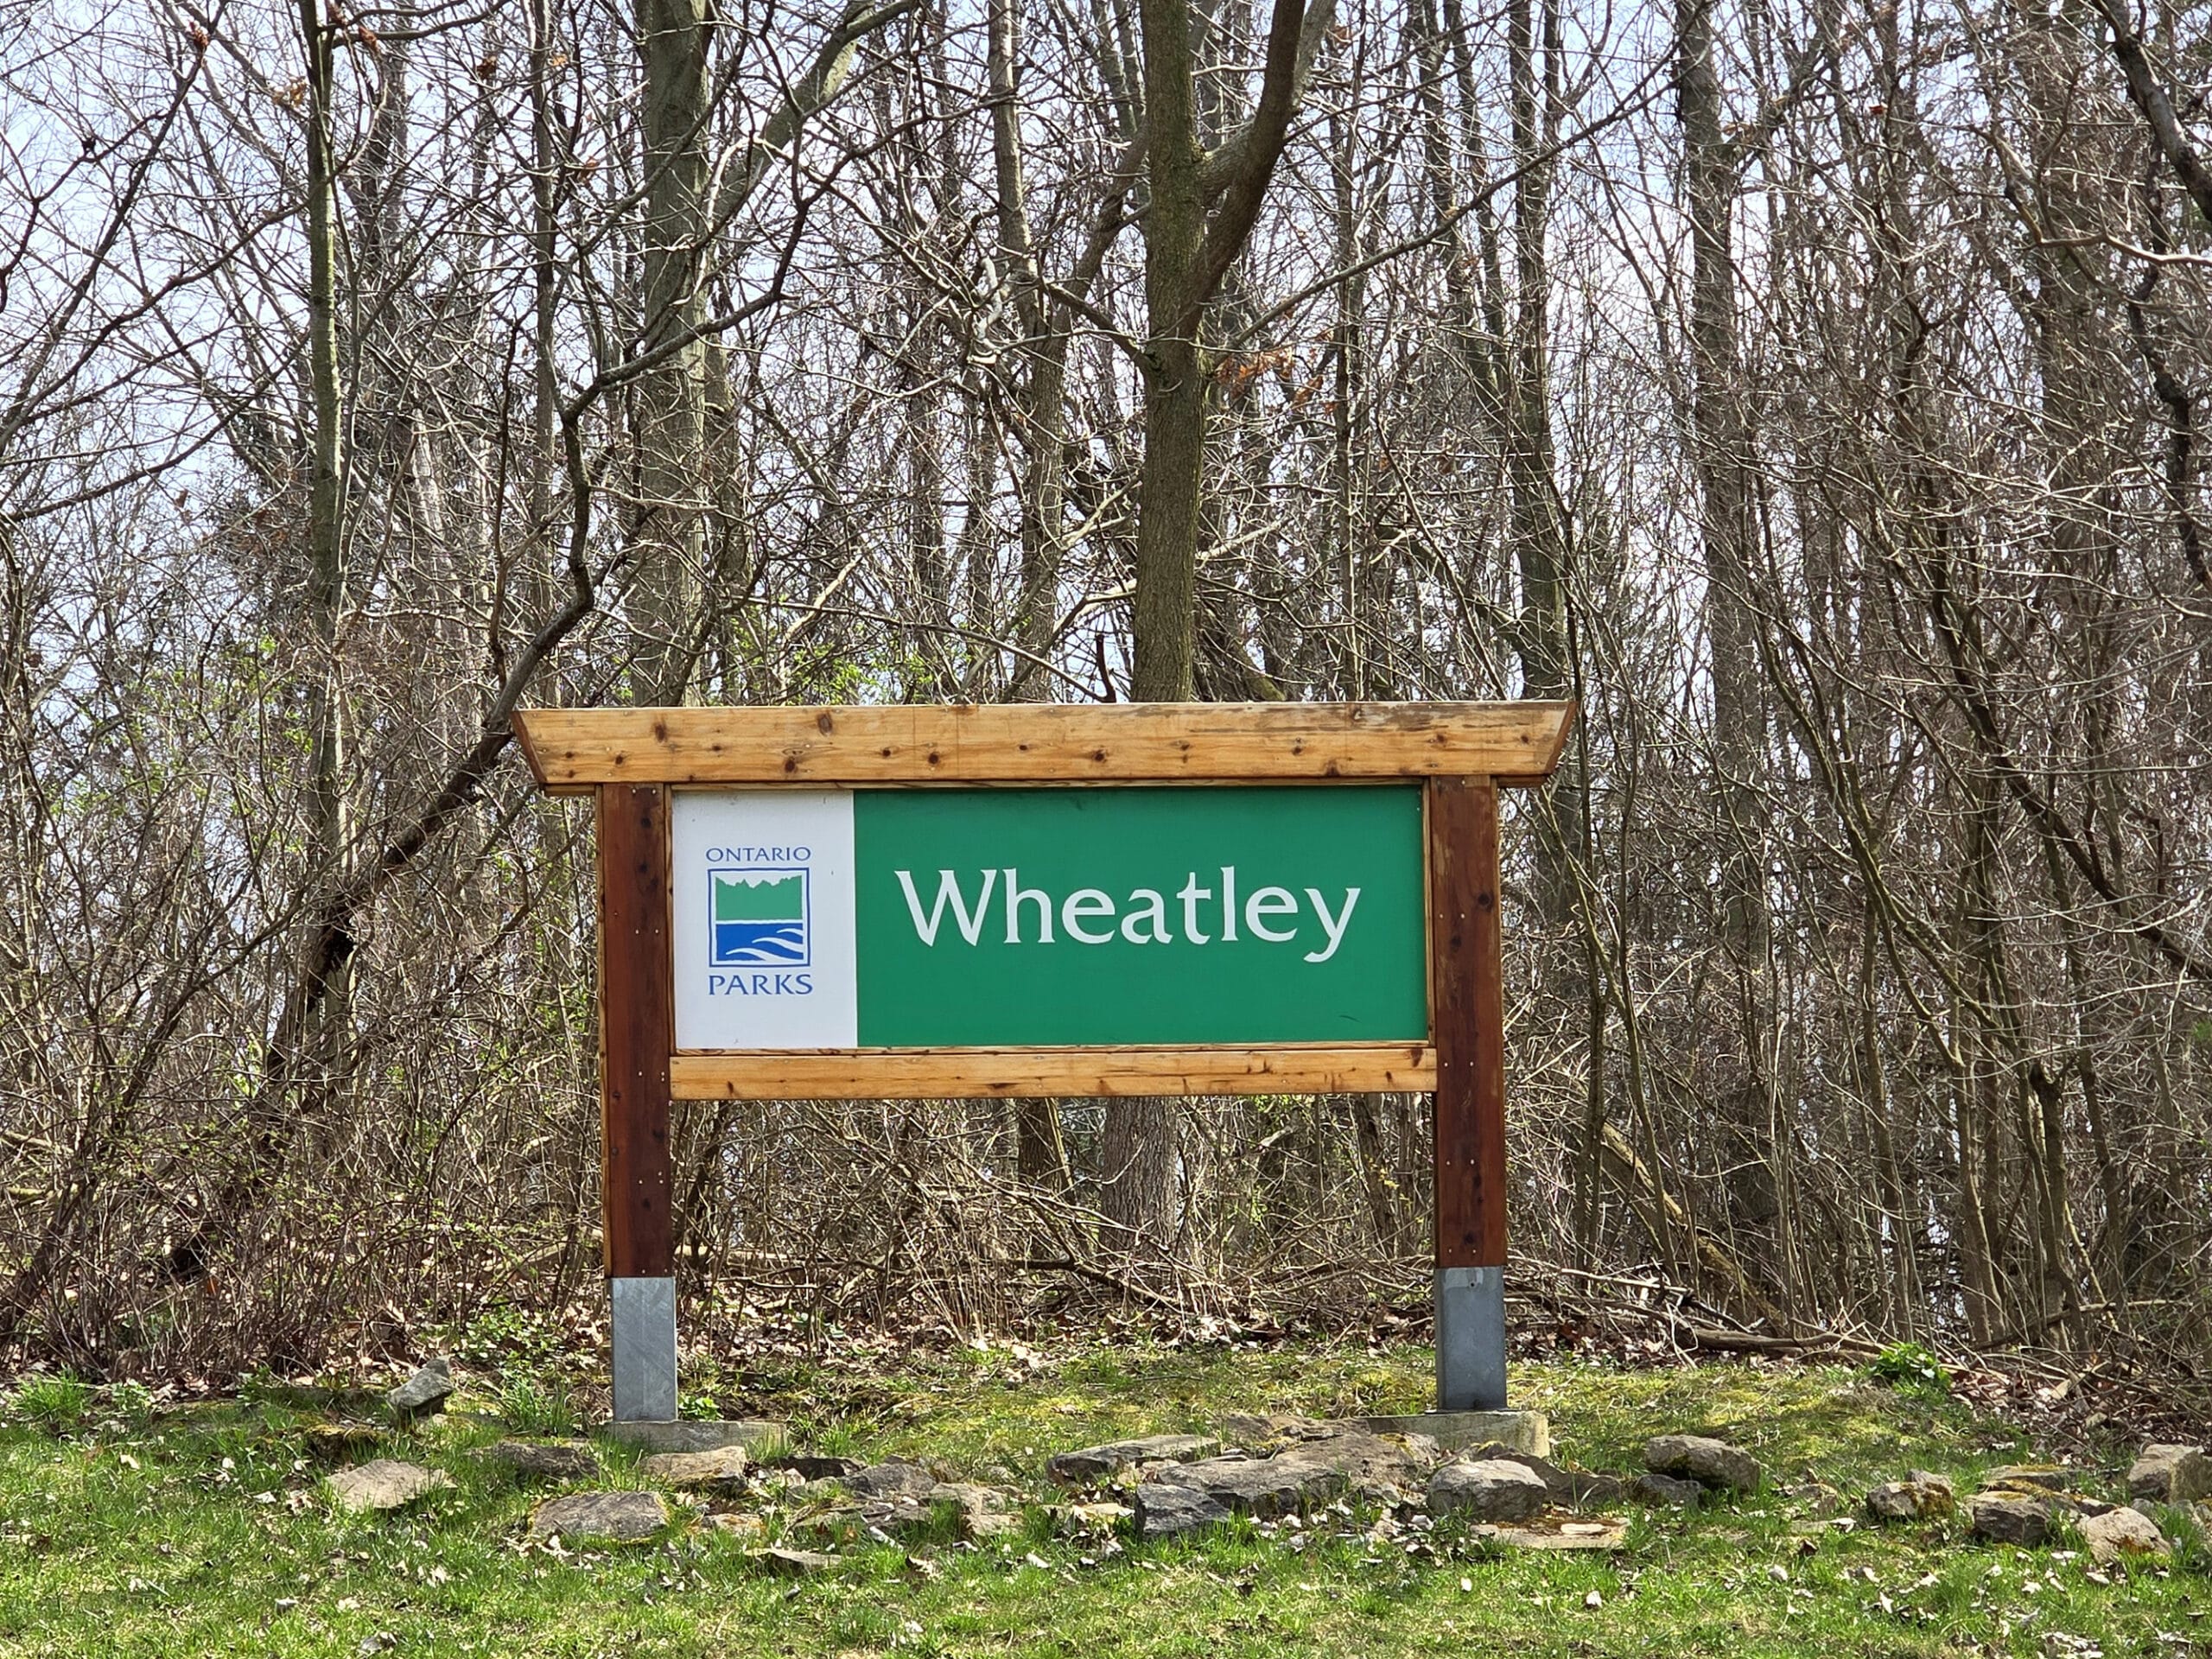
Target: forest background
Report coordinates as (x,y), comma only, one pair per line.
(1811,391)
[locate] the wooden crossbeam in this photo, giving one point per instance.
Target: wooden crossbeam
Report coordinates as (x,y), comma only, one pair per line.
(573,750)
(1007,1073)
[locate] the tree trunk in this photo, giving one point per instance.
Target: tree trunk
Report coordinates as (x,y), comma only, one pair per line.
(1721,454)
(1164,623)
(329,831)
(670,533)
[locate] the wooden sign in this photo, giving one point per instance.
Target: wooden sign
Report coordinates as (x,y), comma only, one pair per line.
(929,902)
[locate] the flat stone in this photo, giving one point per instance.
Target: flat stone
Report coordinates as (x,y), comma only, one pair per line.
(816,1468)
(617,1517)
(1270,1431)
(2037,1478)
(2060,1504)
(761,1440)
(1264,1487)
(1919,1497)
(1570,1536)
(897,1478)
(746,1528)
(1575,1488)
(1309,1470)
(1488,1489)
(424,1391)
(1702,1458)
(2003,1518)
(1170,1510)
(386,1484)
(1369,1464)
(2170,1474)
(1091,1463)
(1666,1490)
(795,1563)
(977,1500)
(536,1461)
(2124,1535)
(721,1469)
(1460,1431)
(908,1500)
(982,1510)
(334,1441)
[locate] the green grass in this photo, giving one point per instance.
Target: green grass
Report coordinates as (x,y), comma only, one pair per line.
(528,1406)
(204,1530)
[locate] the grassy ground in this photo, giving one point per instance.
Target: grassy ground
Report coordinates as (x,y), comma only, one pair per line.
(206,1531)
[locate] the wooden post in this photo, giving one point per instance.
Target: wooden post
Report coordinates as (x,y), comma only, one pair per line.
(636,1032)
(1467,1018)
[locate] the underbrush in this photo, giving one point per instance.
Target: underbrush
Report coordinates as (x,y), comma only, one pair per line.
(207,1529)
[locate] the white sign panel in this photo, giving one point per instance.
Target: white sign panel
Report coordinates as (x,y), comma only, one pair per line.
(762,887)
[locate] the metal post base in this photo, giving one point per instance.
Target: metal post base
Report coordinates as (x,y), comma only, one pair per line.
(1470,1338)
(644,1328)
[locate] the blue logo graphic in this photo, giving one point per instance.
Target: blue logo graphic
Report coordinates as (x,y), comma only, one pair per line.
(758,919)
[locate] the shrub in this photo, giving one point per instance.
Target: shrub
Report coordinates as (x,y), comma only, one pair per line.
(1908,1365)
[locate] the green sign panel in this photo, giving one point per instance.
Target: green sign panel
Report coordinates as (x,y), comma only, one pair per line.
(992,918)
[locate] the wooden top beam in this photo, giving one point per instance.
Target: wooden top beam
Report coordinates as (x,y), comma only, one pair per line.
(572,750)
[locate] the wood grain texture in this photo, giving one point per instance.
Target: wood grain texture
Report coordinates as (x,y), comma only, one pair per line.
(637,1022)
(572,749)
(1467,983)
(957,1073)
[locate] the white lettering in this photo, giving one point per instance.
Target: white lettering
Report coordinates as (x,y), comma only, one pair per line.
(1270,901)
(1155,907)
(1084,905)
(1191,894)
(1015,893)
(1333,926)
(948,887)
(1091,916)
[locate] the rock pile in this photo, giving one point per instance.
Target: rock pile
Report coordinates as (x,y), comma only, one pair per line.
(1292,1475)
(2033,1505)
(1282,1467)
(889,1499)
(1093,1463)
(1180,1497)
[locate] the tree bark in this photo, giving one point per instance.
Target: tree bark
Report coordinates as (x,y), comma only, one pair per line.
(1721,454)
(670,545)
(1186,255)
(328,830)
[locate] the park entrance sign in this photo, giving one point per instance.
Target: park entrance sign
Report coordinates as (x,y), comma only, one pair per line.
(991,918)
(922,902)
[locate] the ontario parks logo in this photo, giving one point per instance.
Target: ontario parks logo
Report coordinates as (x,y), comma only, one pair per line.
(758,919)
